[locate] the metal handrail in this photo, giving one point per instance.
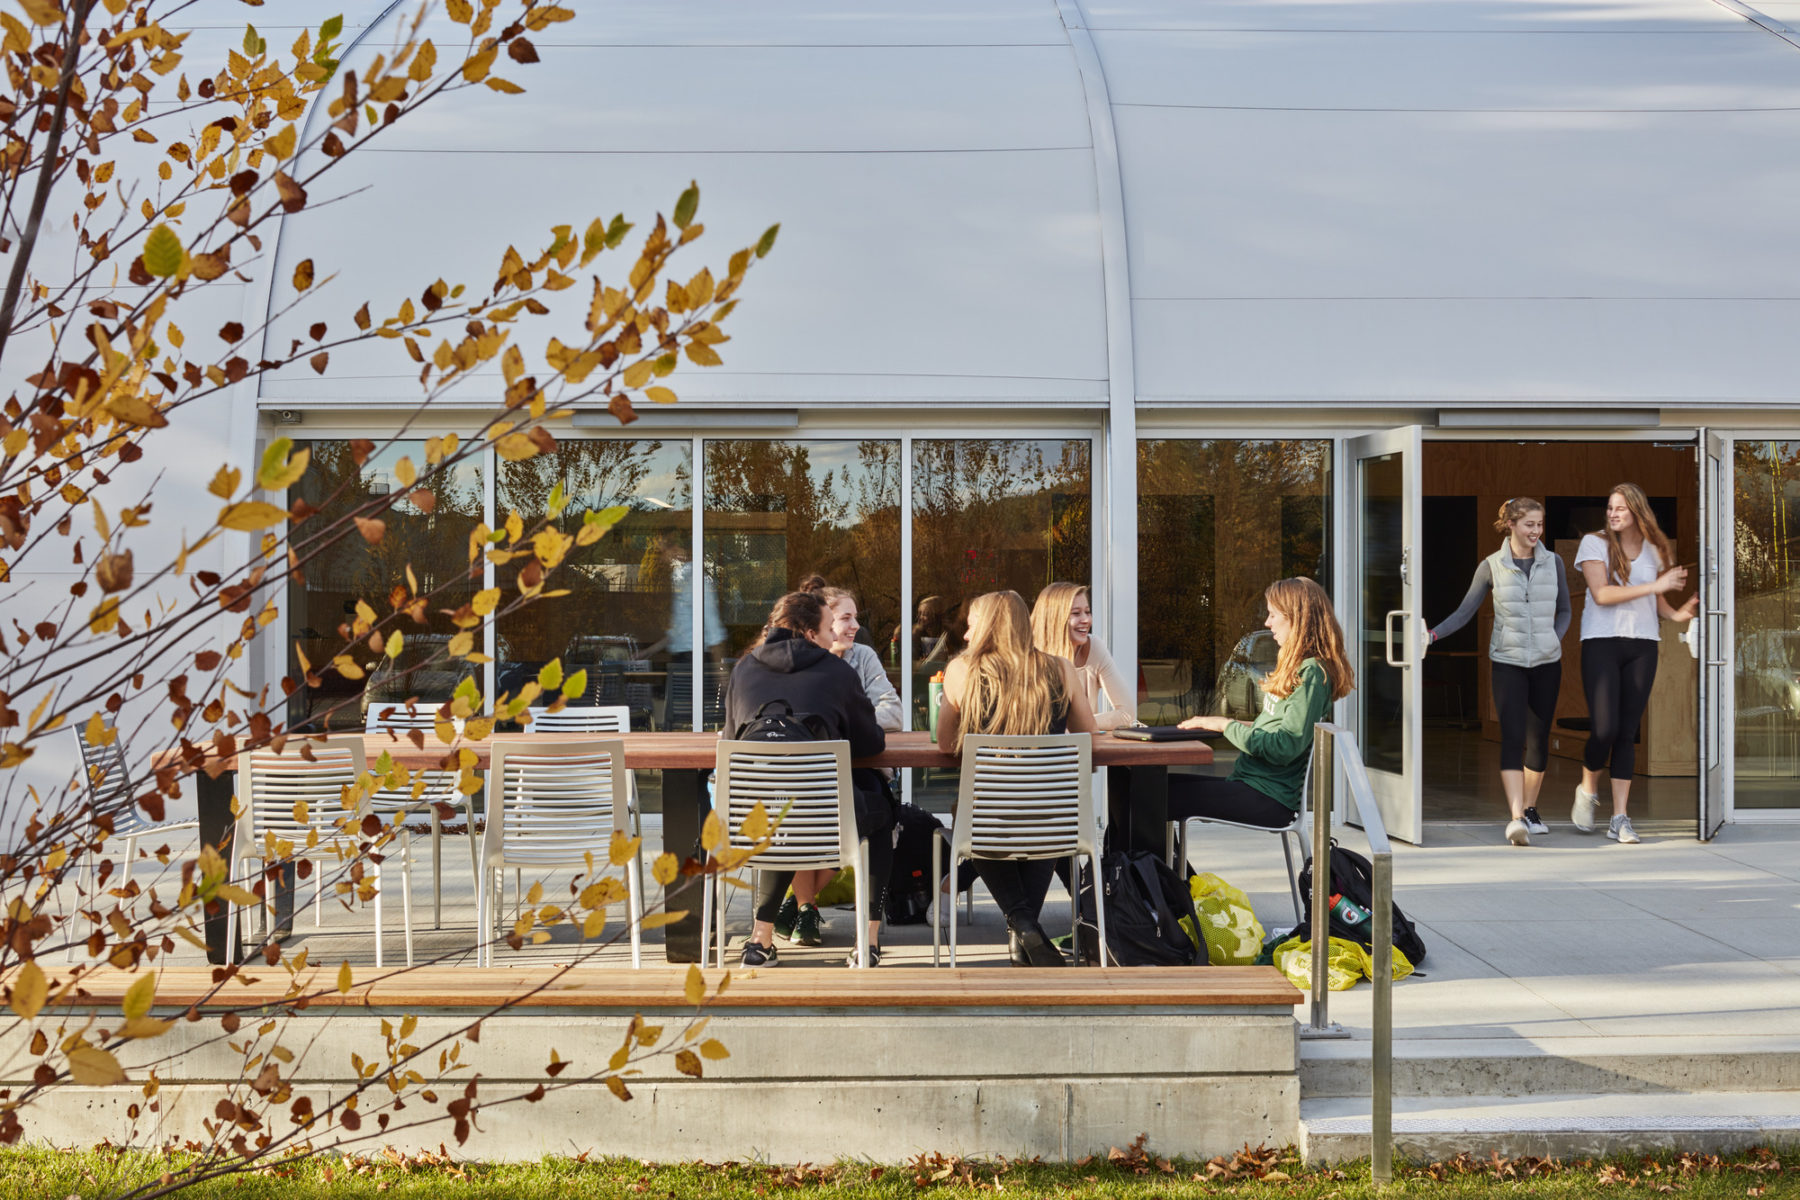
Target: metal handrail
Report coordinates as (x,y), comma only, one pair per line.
(1334,746)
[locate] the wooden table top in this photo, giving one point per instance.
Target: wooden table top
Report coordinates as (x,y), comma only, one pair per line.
(696,751)
(788,987)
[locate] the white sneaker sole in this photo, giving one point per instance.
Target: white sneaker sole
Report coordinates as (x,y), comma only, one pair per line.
(1633,840)
(1582,814)
(1518,834)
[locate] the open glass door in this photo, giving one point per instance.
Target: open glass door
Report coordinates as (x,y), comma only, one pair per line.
(1383,621)
(1710,638)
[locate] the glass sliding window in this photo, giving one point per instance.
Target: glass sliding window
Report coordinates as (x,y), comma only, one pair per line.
(1218,521)
(626,618)
(779,511)
(1767,623)
(989,514)
(334,577)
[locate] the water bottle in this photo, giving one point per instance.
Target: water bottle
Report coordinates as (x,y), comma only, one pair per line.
(1348,913)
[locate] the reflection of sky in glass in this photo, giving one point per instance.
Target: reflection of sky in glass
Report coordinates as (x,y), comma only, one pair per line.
(378,478)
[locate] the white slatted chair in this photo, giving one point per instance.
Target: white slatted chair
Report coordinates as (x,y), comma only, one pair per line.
(551,803)
(811,781)
(110,790)
(387,726)
(593,718)
(1298,829)
(1022,799)
(271,787)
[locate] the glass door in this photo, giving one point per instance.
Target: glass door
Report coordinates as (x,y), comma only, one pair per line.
(1383,621)
(1711,640)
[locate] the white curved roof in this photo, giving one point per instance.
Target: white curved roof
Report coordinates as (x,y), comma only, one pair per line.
(1328,202)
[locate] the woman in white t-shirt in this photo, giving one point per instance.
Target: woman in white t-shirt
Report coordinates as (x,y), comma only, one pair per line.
(1062,623)
(1629,577)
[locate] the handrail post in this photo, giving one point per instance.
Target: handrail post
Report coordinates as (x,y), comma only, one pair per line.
(1381,1053)
(1324,777)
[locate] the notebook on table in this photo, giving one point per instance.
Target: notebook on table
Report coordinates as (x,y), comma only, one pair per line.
(1163,733)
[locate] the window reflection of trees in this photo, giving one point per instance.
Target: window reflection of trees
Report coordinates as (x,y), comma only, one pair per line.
(435,544)
(619,601)
(1766,545)
(778,511)
(1218,521)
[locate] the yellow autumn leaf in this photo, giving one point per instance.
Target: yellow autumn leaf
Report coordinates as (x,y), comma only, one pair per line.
(139,997)
(29,991)
(665,869)
(660,395)
(250,515)
(484,601)
(345,979)
(658,920)
(696,985)
(91,1066)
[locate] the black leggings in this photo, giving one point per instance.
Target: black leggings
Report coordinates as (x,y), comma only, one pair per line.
(1525,698)
(772,886)
(1225,800)
(1616,674)
(1018,887)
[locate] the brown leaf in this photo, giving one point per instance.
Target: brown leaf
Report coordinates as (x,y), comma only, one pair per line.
(293,196)
(520,50)
(114,571)
(373,529)
(231,331)
(423,500)
(303,275)
(243,181)
(320,360)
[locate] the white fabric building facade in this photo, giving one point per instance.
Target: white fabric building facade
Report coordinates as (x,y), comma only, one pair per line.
(1173,298)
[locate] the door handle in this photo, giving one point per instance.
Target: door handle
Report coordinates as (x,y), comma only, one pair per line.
(1387,631)
(1709,615)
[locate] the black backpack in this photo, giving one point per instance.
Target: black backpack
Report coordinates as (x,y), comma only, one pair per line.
(784,726)
(910,887)
(1145,903)
(1351,877)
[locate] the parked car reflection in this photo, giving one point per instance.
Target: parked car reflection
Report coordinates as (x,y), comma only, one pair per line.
(1240,689)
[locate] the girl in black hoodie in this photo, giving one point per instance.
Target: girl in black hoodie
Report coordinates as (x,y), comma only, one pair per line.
(794,663)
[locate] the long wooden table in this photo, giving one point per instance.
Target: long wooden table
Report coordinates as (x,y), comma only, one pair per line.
(1137,789)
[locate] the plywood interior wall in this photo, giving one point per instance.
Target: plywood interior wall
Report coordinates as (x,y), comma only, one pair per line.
(1494,472)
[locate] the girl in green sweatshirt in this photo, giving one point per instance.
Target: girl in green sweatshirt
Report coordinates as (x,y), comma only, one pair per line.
(1311,672)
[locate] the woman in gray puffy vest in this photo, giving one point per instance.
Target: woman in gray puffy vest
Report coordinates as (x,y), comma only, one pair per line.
(1531,614)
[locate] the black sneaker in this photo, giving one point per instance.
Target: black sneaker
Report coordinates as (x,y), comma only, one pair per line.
(806,927)
(874,957)
(758,955)
(784,920)
(1534,822)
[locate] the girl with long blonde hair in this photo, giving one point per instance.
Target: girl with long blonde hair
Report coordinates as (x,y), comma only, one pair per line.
(1630,574)
(1003,684)
(1062,623)
(1311,671)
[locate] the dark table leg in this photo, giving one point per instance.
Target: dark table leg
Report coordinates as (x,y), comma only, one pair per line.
(213,798)
(684,810)
(1137,803)
(213,795)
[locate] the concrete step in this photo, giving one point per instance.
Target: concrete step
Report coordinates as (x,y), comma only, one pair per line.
(1554,1126)
(1449,1068)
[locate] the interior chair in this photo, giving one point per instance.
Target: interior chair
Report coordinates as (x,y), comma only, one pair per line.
(106,780)
(1025,799)
(388,724)
(551,804)
(287,796)
(806,787)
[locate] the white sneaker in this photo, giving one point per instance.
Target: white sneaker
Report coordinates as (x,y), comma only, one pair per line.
(1582,815)
(1517,833)
(1621,831)
(1534,822)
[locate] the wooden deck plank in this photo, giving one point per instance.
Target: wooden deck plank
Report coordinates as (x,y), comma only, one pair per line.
(787,987)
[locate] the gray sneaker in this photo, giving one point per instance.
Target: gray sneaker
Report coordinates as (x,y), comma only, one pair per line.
(1582,814)
(1621,831)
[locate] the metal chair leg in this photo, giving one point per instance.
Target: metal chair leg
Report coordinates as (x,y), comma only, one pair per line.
(1287,852)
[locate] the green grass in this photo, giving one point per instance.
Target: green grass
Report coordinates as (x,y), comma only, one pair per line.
(1130,1174)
